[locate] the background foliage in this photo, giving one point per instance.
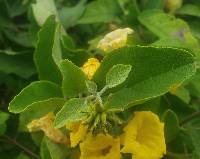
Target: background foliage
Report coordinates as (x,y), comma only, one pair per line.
(31,31)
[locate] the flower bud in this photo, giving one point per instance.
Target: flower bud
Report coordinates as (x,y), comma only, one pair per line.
(90,67)
(114,40)
(172,5)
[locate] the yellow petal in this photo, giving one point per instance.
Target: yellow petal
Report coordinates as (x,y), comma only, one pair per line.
(78,132)
(90,67)
(144,136)
(100,147)
(45,124)
(114,40)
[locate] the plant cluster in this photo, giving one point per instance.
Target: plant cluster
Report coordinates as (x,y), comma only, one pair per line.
(102,79)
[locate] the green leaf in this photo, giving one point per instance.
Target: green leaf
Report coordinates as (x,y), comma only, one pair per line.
(70,15)
(22,156)
(189,9)
(101,11)
(117,75)
(71,111)
(73,79)
(70,52)
(3,118)
(155,71)
(44,107)
(183,94)
(193,129)
(43,56)
(20,64)
(44,151)
(162,24)
(57,151)
(42,9)
(172,127)
(35,92)
(166,26)
(91,86)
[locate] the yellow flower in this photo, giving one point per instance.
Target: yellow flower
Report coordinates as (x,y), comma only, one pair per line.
(78,132)
(114,40)
(45,124)
(90,67)
(144,136)
(100,147)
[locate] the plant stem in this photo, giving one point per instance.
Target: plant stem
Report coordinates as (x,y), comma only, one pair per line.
(26,150)
(190,117)
(103,91)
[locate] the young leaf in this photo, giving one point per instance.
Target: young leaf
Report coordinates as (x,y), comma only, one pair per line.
(91,86)
(117,75)
(155,71)
(72,111)
(35,92)
(172,127)
(73,79)
(43,56)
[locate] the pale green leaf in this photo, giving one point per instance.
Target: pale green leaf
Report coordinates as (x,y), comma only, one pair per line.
(42,9)
(72,111)
(91,86)
(117,75)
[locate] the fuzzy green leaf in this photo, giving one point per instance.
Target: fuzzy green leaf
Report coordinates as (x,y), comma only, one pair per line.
(73,79)
(91,86)
(156,70)
(117,75)
(72,111)
(35,92)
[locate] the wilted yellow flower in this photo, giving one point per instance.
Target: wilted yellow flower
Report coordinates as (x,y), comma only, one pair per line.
(144,136)
(114,40)
(78,132)
(100,147)
(90,67)
(45,124)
